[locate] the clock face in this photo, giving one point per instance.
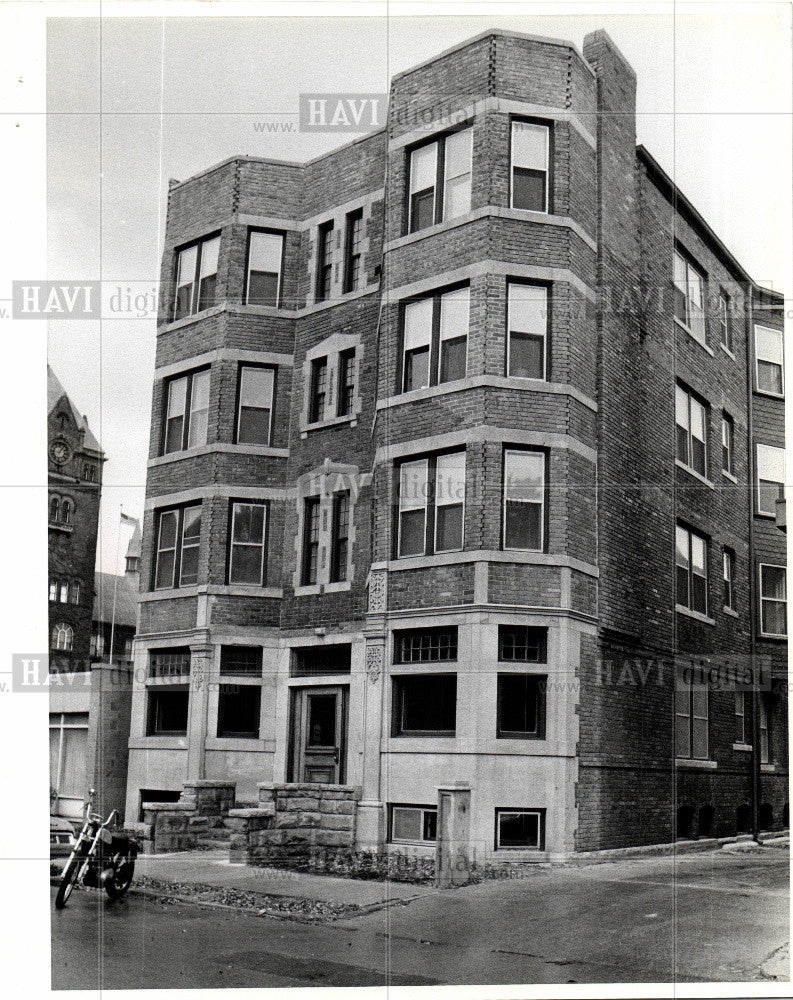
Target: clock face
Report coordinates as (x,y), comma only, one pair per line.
(60,452)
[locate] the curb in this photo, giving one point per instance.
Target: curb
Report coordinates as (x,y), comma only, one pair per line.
(775,838)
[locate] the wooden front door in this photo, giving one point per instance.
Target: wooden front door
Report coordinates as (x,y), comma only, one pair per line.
(319,725)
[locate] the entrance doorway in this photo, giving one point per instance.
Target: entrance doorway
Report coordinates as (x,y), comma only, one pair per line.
(319,726)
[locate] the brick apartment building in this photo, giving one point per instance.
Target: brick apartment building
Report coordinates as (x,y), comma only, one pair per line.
(466,440)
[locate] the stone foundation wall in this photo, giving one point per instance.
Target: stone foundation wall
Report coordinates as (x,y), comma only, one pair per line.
(300,817)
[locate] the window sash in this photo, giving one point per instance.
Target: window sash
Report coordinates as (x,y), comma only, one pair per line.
(526,826)
(769,360)
(458,148)
(520,710)
(324,260)
(527,325)
(727,444)
(190,543)
(449,501)
(310,541)
(196,277)
(770,477)
(340,533)
(692,720)
(318,390)
(454,322)
(265,263)
(742,716)
(431,504)
(413,824)
(689,300)
(413,499)
(425,704)
(423,170)
(523,498)
(346,387)
(691,421)
(691,562)
(352,250)
(530,147)
(773,600)
(724,321)
(167,535)
(248,532)
(255,412)
(728,566)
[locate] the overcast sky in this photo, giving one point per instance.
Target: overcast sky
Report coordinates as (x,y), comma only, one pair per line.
(136,101)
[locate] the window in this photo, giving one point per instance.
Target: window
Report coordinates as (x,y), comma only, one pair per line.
(520,828)
(770,478)
(521,706)
(239,710)
(522,644)
(743,717)
(524,493)
(254,415)
(431,504)
(691,419)
(440,180)
(435,338)
(425,645)
(310,541)
(53,590)
(765,727)
(315,661)
(530,160)
(62,637)
(725,330)
(186,412)
(413,824)
(353,241)
(691,561)
(689,296)
(318,389)
(425,705)
(727,444)
(196,277)
(74,592)
(340,535)
(527,325)
(89,472)
(241,660)
(68,744)
(55,509)
(324,259)
(97,645)
(248,526)
(63,592)
(265,263)
(171,661)
(346,394)
(66,511)
(691,717)
(167,711)
(773,600)
(769,351)
(728,561)
(178,540)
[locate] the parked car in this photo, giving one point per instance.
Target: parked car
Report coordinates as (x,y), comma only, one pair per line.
(62,838)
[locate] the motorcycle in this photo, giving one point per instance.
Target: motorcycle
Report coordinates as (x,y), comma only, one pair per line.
(102,858)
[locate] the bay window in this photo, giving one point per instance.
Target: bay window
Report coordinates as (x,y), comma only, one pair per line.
(178,541)
(248,532)
(435,338)
(186,411)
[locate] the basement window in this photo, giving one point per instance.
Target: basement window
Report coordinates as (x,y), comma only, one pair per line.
(425,705)
(411,824)
(520,828)
(239,710)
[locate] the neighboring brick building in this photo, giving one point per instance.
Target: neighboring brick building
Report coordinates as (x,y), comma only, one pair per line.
(436,491)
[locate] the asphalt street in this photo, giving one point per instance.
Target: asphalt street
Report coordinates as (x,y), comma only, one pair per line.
(718,916)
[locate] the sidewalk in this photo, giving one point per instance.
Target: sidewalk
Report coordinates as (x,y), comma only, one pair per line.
(213,868)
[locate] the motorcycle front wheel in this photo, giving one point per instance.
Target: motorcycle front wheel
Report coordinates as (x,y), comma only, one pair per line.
(68,880)
(121,880)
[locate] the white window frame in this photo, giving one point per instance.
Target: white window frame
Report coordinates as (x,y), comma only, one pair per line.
(513,165)
(541,333)
(233,544)
(62,637)
(409,807)
(60,722)
(407,504)
(685,399)
(770,458)
(433,465)
(272,371)
(542,457)
(276,236)
(686,277)
(772,357)
(501,812)
(773,600)
(439,197)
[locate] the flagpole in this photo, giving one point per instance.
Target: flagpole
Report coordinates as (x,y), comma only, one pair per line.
(115,582)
